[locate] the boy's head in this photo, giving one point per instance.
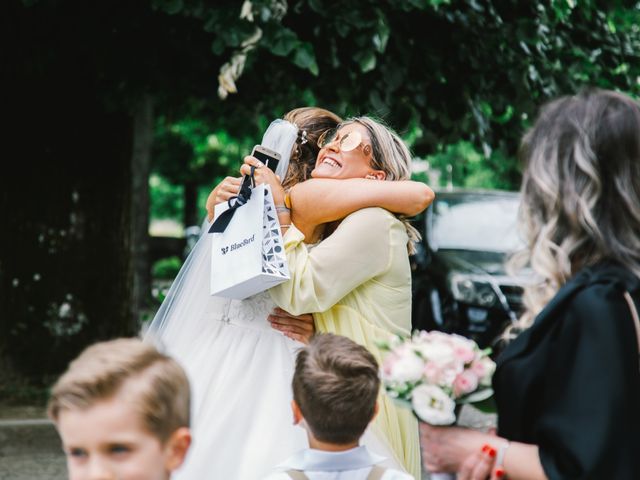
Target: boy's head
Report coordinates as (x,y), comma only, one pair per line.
(122,411)
(335,387)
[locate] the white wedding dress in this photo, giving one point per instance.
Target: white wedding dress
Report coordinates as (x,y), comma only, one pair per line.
(240,371)
(239,368)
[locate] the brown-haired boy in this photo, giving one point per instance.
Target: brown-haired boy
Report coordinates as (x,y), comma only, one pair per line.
(122,412)
(335,388)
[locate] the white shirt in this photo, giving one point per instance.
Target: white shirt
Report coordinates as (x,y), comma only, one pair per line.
(354,464)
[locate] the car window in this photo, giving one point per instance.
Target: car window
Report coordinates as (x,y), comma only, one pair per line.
(476,222)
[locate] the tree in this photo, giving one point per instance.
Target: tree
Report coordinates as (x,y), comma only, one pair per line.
(87,80)
(83,81)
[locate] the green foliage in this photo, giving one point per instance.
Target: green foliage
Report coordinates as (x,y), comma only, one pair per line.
(21,392)
(464,166)
(166,268)
(464,70)
(459,70)
(166,198)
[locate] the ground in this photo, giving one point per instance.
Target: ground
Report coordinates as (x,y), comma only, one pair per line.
(30,447)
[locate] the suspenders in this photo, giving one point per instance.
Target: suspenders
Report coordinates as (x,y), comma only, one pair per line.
(376,473)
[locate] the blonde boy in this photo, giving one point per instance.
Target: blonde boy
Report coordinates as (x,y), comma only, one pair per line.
(122,412)
(335,390)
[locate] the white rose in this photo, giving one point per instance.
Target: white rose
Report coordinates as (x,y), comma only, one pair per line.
(433,405)
(407,367)
(439,353)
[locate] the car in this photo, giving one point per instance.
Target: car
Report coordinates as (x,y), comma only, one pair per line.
(459,280)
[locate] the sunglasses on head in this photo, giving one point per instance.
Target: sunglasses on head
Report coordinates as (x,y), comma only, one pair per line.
(348,142)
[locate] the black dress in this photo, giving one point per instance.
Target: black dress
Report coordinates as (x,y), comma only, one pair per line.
(571,383)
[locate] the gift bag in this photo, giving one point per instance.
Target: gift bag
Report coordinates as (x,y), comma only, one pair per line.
(248,256)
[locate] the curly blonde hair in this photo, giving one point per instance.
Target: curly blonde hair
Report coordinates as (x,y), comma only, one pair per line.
(580,201)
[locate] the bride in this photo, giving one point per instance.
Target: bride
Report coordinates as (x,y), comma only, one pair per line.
(239,367)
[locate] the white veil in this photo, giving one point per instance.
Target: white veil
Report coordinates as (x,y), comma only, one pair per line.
(280,137)
(188,298)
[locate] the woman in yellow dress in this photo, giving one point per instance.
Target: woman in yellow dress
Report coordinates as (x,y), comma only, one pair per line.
(240,368)
(357,280)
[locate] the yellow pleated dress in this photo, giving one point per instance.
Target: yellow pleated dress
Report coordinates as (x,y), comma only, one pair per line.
(357,283)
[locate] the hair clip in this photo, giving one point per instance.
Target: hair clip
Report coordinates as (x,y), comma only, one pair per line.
(303,137)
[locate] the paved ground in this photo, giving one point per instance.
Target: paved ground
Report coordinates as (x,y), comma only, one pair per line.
(30,447)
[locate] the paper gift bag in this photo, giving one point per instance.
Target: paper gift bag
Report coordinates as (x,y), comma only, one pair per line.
(248,256)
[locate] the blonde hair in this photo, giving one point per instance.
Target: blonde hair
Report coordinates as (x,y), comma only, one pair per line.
(391,155)
(311,122)
(336,385)
(102,370)
(580,191)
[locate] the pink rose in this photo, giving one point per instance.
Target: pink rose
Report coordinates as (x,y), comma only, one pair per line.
(432,373)
(466,382)
(463,348)
(484,368)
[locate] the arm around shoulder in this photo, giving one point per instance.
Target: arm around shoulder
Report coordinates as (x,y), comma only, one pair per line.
(322,200)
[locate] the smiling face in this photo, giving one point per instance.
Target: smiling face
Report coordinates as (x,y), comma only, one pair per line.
(333,162)
(108,441)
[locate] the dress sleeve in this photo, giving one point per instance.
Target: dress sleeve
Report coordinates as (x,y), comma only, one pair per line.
(588,421)
(357,251)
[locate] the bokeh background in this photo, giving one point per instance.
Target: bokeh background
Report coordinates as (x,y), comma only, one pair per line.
(120,117)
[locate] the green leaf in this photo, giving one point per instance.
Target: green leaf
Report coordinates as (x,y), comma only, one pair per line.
(217,46)
(478,396)
(284,42)
(366,60)
(343,29)
(487,406)
(381,37)
(316,6)
(305,58)
(170,6)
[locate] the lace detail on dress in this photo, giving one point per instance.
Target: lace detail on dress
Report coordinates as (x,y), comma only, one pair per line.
(252,311)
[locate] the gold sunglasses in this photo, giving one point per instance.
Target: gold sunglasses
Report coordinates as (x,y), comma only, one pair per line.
(350,141)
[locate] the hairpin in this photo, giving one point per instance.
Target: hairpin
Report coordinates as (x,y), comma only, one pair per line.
(303,137)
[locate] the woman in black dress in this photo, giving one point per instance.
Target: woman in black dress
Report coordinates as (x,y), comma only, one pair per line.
(568,387)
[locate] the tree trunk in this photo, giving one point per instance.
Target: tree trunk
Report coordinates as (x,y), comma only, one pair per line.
(140,167)
(64,249)
(191,207)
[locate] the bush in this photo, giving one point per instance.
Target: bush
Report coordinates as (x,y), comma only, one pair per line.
(166,268)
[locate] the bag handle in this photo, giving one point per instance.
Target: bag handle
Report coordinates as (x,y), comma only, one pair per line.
(220,224)
(636,319)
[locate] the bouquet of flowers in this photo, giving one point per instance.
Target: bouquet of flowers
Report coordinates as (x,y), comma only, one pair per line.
(435,373)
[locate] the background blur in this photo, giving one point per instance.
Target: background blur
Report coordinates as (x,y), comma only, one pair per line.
(121,116)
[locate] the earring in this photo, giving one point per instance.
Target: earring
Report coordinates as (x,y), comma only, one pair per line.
(371,177)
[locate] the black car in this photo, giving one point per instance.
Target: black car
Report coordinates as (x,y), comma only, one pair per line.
(459,279)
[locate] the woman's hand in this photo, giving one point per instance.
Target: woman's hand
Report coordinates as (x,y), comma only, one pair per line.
(480,465)
(445,449)
(262,174)
(296,327)
(221,193)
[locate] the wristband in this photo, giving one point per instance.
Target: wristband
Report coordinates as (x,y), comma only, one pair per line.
(282,209)
(502,451)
